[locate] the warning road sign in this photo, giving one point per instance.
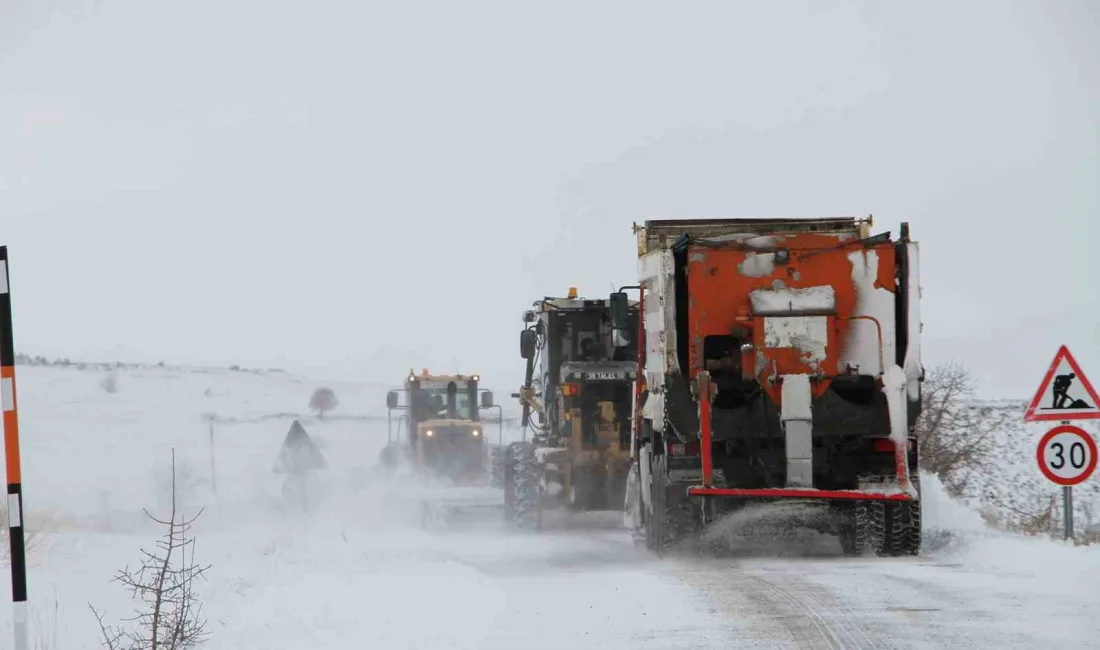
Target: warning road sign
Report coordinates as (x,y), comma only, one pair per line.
(1067,455)
(1064,394)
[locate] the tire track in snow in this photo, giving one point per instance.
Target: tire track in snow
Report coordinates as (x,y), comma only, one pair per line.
(837,627)
(778,614)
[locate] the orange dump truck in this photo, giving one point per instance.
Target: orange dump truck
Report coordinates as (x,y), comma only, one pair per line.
(781,362)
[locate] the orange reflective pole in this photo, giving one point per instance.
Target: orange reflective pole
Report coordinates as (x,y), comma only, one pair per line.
(11,458)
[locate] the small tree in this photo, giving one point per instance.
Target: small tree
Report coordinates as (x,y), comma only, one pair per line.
(110,383)
(170,616)
(956,436)
(323,399)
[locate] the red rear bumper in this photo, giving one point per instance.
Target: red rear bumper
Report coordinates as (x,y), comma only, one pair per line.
(789,493)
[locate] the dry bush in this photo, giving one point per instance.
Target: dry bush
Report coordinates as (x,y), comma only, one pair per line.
(956,437)
(110,383)
(323,399)
(170,615)
(1037,519)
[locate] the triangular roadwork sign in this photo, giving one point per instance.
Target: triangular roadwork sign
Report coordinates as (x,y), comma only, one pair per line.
(1064,394)
(299,453)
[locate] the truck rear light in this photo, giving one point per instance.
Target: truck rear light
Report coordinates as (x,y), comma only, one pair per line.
(570,389)
(886,445)
(690,449)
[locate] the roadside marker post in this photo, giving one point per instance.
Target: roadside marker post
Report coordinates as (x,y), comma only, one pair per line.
(17,540)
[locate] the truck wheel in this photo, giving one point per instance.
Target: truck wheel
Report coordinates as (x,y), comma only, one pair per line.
(523,509)
(870,529)
(905,525)
(672,520)
(905,538)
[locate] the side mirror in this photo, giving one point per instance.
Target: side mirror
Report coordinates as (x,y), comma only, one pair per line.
(527,342)
(487,400)
(391,399)
(620,314)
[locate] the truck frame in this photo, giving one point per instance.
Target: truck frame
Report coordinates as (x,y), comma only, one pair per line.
(781,362)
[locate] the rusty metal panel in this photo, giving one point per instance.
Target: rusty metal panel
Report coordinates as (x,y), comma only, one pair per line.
(853,284)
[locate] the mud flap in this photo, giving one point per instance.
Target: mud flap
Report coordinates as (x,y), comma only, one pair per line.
(632,504)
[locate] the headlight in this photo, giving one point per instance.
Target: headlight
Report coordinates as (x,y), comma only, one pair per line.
(476,432)
(429,433)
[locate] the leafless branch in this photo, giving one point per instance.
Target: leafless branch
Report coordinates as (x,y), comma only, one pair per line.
(169,615)
(955,436)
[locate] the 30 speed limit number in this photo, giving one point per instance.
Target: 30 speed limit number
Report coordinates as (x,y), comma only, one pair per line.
(1067,455)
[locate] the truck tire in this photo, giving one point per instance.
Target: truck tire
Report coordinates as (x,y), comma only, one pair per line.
(867,532)
(905,524)
(672,520)
(522,507)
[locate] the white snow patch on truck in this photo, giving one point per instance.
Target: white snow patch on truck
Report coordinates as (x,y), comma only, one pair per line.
(894,386)
(913,369)
(788,300)
(785,322)
(862,348)
(807,334)
(757,265)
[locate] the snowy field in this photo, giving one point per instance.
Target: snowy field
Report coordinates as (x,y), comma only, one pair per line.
(359,571)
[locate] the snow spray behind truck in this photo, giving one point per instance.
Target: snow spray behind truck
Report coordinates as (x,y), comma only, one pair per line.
(782,362)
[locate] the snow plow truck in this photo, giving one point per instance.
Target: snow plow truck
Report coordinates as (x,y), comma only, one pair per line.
(781,363)
(579,383)
(444,444)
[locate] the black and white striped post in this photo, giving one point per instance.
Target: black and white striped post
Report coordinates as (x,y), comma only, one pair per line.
(11,454)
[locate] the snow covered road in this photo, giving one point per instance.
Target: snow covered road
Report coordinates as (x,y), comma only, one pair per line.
(360,571)
(946,602)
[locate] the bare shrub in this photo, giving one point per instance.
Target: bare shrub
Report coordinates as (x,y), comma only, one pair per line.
(1035,519)
(956,436)
(170,614)
(110,383)
(323,399)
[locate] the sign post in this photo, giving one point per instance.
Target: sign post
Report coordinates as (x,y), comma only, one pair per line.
(1067,516)
(1067,454)
(18,549)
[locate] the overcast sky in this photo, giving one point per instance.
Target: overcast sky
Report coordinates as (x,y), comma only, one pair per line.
(362,187)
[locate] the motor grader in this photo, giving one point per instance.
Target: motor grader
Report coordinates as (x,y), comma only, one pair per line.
(579,386)
(443,443)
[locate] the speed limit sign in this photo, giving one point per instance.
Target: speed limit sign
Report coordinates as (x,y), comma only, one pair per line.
(1067,455)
